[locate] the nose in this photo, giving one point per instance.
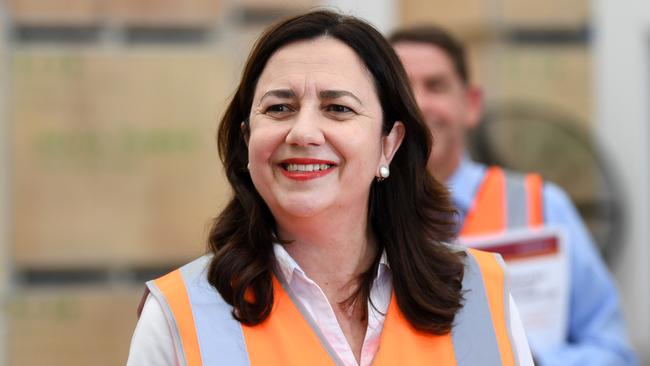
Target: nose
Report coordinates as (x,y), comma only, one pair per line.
(306,129)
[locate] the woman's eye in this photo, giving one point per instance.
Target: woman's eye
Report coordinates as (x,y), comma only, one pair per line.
(278,108)
(336,108)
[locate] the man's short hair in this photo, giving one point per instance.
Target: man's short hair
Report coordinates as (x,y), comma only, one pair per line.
(438,37)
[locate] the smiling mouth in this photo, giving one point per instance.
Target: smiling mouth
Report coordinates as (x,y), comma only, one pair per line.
(304,169)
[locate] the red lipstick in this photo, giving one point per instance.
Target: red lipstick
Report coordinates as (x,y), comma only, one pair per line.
(295,169)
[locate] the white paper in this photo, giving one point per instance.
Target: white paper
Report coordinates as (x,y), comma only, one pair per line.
(537,267)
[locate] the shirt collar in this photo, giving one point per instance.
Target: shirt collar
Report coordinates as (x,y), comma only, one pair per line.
(464,182)
(288,266)
(285,263)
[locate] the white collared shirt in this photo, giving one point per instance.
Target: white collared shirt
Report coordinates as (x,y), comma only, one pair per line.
(153,345)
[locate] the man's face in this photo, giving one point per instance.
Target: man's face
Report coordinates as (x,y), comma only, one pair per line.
(448,106)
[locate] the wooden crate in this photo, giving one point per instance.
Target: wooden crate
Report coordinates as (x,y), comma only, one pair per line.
(547,88)
(165,12)
(4,172)
(479,59)
(559,77)
(470,18)
(71,326)
(117,165)
(277,4)
(482,19)
(55,12)
(545,14)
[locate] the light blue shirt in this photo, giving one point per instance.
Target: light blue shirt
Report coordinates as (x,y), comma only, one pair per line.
(596,331)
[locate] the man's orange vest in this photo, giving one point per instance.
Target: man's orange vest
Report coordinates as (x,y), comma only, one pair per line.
(505,200)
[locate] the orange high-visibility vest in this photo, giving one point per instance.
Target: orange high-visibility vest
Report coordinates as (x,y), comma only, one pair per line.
(205,333)
(505,200)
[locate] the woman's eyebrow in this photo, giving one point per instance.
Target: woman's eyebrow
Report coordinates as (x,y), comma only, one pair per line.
(333,94)
(279,93)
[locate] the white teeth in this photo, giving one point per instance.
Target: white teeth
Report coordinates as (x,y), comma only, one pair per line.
(307,167)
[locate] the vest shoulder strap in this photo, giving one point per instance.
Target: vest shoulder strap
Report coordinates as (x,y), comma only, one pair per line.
(204,330)
(505,200)
(480,334)
(497,296)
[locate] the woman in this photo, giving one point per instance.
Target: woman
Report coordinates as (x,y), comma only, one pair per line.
(331,250)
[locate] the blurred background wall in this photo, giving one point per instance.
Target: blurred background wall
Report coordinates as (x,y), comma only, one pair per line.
(621,51)
(109,174)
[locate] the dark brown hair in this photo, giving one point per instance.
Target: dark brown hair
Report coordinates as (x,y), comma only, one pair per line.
(409,212)
(437,37)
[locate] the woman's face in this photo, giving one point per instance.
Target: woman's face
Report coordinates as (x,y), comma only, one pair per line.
(315,142)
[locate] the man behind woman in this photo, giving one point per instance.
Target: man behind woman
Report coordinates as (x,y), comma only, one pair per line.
(451,106)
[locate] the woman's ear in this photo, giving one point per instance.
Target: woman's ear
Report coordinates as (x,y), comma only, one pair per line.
(245,132)
(392,142)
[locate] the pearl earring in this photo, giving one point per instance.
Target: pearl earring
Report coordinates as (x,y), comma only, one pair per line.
(384,172)
(248,166)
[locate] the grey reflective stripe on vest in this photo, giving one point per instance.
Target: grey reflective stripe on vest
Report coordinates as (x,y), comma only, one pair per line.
(516,200)
(220,336)
(473,333)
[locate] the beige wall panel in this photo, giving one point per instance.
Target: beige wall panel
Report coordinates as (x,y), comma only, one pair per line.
(4,162)
(275,4)
(479,60)
(545,14)
(71,327)
(55,11)
(547,82)
(477,14)
(115,158)
(165,12)
(4,186)
(556,76)
(463,16)
(243,38)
